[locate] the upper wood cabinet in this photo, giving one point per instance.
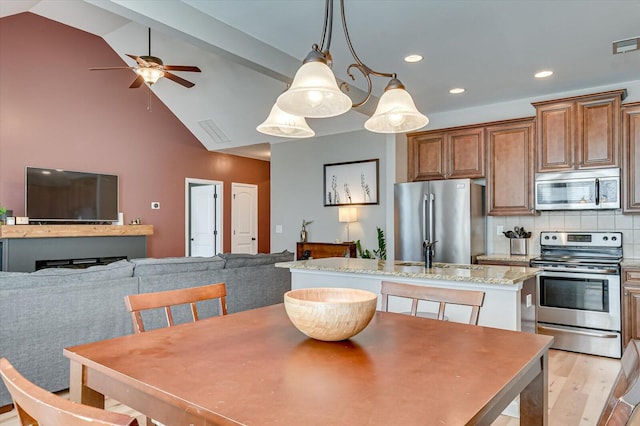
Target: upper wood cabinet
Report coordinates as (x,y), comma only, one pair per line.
(446,154)
(631,157)
(510,177)
(579,132)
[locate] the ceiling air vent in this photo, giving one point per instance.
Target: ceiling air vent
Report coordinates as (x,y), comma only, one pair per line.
(214,131)
(628,45)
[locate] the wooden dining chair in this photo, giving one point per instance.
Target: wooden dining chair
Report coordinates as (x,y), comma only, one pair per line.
(136,303)
(622,407)
(36,406)
(443,296)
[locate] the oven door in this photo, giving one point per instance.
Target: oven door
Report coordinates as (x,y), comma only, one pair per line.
(579,299)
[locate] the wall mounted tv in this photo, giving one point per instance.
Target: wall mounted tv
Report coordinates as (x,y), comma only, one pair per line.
(54,195)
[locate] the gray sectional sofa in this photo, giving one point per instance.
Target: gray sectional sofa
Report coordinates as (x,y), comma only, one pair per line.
(45,311)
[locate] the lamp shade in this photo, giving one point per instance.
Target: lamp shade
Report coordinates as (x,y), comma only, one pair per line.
(314,93)
(396,113)
(280,123)
(347,214)
(150,75)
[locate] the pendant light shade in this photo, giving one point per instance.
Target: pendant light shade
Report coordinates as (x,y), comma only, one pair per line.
(314,93)
(396,113)
(280,123)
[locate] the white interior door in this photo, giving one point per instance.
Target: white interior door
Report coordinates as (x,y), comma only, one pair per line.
(244,218)
(204,217)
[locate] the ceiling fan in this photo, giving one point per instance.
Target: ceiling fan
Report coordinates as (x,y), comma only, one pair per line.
(151,68)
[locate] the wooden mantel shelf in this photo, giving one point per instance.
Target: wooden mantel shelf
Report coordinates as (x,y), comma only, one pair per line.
(58,231)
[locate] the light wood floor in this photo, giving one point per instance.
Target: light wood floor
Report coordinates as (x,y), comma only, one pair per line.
(578,388)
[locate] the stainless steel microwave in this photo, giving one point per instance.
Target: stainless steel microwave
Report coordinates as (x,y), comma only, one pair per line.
(596,189)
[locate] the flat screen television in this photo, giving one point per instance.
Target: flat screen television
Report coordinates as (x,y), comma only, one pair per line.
(54,195)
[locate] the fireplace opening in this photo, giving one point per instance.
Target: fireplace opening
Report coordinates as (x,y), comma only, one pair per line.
(81,263)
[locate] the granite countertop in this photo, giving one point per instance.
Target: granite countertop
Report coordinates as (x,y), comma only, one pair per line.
(484,274)
(630,263)
(506,258)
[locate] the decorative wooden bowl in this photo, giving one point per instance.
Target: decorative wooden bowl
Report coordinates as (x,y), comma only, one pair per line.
(330,314)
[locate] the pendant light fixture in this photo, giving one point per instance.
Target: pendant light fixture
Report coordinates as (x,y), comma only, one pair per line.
(280,123)
(315,92)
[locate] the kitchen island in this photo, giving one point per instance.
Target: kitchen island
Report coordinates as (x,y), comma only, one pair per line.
(510,292)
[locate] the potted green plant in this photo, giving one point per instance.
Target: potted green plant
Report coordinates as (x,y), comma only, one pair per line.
(4,213)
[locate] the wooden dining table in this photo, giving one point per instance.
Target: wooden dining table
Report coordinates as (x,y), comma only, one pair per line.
(256,368)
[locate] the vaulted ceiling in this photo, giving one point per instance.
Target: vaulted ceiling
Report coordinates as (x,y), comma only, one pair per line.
(249,50)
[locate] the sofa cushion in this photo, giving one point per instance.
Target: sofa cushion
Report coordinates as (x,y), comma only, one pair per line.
(172,265)
(236,260)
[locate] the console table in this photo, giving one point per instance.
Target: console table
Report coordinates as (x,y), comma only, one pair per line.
(25,248)
(319,250)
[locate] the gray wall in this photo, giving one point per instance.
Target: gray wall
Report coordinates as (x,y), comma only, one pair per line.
(297,189)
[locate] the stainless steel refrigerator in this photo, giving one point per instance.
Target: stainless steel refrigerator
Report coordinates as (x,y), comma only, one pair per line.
(451,212)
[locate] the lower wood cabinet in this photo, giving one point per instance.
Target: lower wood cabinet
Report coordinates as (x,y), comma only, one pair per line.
(510,165)
(630,304)
(320,250)
(631,157)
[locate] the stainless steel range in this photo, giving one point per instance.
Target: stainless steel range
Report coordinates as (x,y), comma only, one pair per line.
(579,291)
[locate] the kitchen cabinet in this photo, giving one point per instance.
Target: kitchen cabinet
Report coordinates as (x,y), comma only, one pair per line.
(447,154)
(510,176)
(579,133)
(630,304)
(631,157)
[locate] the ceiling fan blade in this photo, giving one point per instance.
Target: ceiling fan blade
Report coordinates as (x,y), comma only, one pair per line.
(181,68)
(139,60)
(111,68)
(178,80)
(137,82)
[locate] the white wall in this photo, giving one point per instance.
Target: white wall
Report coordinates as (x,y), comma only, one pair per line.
(297,183)
(297,189)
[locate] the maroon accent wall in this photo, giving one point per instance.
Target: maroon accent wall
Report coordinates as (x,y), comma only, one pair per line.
(56,113)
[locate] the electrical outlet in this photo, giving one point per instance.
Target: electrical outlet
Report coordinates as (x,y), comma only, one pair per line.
(499,229)
(155,205)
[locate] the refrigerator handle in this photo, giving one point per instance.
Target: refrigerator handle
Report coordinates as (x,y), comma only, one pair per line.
(431,224)
(597,191)
(425,223)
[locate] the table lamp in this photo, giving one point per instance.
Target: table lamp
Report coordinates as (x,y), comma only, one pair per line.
(347,215)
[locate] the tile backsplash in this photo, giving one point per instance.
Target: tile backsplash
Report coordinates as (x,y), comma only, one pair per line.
(586,220)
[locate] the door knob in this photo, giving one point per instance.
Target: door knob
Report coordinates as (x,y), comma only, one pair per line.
(253,238)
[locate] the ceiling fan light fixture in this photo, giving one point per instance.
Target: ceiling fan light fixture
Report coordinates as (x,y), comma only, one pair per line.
(150,74)
(314,93)
(396,112)
(280,123)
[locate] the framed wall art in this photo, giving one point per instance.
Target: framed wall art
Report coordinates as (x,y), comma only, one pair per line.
(355,182)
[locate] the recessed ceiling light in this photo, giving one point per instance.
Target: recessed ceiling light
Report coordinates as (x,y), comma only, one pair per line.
(543,74)
(413,58)
(457,90)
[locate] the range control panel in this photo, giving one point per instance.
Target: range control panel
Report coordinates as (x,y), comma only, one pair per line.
(581,239)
